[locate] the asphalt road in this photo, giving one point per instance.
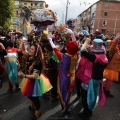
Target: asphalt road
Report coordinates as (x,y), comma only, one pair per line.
(15,106)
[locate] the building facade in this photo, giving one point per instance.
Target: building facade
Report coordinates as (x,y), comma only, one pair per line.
(31,4)
(104,15)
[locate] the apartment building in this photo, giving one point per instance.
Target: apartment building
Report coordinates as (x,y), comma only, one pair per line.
(31,4)
(103,15)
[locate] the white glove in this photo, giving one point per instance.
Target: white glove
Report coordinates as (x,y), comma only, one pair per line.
(50,41)
(49,36)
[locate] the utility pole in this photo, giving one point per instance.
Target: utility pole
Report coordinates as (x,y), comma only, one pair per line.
(115,24)
(62,17)
(66,10)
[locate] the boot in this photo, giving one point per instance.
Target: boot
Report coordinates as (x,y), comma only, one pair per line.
(37,115)
(108,94)
(31,106)
(84,116)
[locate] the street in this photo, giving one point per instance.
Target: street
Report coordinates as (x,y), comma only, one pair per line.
(15,106)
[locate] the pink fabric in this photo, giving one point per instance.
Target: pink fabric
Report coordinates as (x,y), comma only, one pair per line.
(84,71)
(101,58)
(102,98)
(107,84)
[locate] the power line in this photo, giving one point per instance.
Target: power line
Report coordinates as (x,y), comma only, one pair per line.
(83,2)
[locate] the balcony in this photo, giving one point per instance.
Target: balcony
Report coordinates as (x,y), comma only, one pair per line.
(15,20)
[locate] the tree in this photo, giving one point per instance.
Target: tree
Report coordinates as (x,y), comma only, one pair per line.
(6,13)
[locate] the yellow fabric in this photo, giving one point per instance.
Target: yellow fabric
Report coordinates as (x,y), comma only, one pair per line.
(72,67)
(45,32)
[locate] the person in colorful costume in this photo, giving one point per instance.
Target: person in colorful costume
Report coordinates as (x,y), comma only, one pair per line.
(12,65)
(90,92)
(83,72)
(34,84)
(111,73)
(66,79)
(2,52)
(52,70)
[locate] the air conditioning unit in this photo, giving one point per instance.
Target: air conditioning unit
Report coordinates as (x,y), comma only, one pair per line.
(104,23)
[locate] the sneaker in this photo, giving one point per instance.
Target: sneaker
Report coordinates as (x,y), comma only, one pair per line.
(109,95)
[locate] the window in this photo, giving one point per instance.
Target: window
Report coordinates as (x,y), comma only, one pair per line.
(41,5)
(82,20)
(25,4)
(103,31)
(35,4)
(104,23)
(15,20)
(107,4)
(93,15)
(16,12)
(105,13)
(89,11)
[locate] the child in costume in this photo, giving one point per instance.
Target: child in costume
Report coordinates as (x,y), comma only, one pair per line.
(67,71)
(34,84)
(12,65)
(52,70)
(89,92)
(111,73)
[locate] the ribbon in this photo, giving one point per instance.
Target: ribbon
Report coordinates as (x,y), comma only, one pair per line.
(37,50)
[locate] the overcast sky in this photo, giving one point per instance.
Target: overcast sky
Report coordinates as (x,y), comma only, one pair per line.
(74,8)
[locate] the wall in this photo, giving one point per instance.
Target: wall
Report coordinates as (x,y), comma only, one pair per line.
(113,17)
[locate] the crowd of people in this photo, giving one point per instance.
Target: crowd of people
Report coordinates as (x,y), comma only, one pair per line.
(52,64)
